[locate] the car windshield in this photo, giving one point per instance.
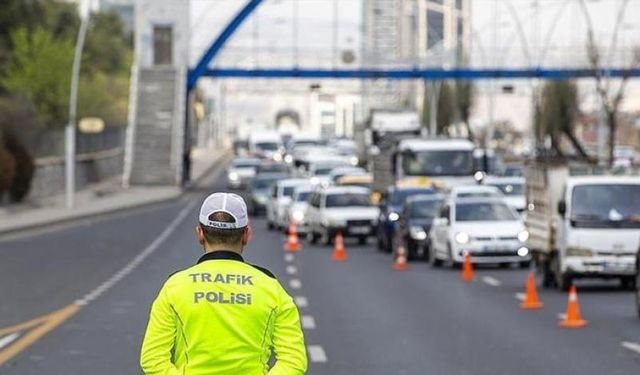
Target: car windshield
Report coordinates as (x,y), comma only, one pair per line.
(603,206)
(323,171)
(438,163)
(303,196)
(510,189)
(512,171)
(273,168)
(484,211)
(400,196)
(245,163)
(268,146)
(424,209)
(288,191)
(477,194)
(348,200)
(262,183)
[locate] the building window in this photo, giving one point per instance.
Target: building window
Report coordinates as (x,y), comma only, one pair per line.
(435,28)
(162,45)
(459,4)
(436,1)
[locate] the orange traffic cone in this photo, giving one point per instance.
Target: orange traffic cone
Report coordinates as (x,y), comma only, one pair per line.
(292,244)
(400,263)
(339,253)
(531,300)
(467,269)
(573,318)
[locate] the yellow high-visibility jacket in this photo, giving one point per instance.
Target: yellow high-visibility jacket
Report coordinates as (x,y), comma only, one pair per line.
(223,316)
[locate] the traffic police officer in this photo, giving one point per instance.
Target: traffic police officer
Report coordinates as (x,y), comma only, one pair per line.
(223,316)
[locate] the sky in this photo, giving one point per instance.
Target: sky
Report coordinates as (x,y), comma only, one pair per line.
(551,33)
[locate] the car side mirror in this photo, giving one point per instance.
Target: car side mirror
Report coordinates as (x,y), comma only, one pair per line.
(562,208)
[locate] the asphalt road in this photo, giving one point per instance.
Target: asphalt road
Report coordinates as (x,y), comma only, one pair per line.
(360,316)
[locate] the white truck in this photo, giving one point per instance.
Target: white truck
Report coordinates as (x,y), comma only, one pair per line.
(582,226)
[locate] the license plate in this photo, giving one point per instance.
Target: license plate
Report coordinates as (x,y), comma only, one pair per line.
(359,230)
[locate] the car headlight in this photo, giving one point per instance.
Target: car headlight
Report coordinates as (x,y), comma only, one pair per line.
(417,233)
(393,216)
(578,252)
(277,157)
(333,223)
(354,160)
(288,159)
(462,238)
(523,236)
(297,216)
(262,199)
(523,251)
(233,176)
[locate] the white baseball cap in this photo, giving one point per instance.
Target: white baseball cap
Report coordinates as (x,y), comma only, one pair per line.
(229,203)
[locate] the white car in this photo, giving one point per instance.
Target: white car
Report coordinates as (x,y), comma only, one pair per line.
(297,209)
(345,209)
(241,171)
(489,230)
(338,172)
(512,188)
(280,197)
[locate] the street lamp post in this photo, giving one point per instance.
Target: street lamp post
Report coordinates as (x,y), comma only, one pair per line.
(70,130)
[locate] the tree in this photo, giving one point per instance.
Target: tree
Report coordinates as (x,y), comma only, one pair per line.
(610,98)
(557,115)
(40,70)
(464,103)
(446,107)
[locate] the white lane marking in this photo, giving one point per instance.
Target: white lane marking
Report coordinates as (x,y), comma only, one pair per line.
(562,316)
(5,341)
(308,322)
(633,346)
(289,257)
(520,296)
(292,270)
(316,353)
(295,284)
(128,268)
(491,281)
(301,301)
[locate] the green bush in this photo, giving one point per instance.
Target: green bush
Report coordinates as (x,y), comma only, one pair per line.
(7,170)
(24,167)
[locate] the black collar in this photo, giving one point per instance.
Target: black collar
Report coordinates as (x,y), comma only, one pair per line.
(221,254)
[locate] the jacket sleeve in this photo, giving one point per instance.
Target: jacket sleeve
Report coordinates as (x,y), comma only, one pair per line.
(159,339)
(288,340)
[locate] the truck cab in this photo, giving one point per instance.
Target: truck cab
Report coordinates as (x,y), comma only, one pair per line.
(444,162)
(583,227)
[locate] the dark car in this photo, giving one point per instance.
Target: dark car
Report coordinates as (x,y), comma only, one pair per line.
(638,283)
(260,189)
(390,207)
(415,223)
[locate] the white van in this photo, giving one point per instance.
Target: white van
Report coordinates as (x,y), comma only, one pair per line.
(266,144)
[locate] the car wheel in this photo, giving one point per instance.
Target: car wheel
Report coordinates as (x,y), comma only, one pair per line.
(433,259)
(269,225)
(312,237)
(326,238)
(453,263)
(388,244)
(412,249)
(379,241)
(638,292)
(362,240)
(628,282)
(562,280)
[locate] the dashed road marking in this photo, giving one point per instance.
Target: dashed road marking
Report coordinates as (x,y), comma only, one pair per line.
(8,339)
(308,322)
(520,296)
(289,257)
(301,301)
(562,316)
(491,281)
(292,270)
(295,284)
(316,353)
(633,346)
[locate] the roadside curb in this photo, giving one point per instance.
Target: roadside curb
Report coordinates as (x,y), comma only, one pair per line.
(65,217)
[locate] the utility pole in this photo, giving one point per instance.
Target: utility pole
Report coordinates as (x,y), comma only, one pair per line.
(70,130)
